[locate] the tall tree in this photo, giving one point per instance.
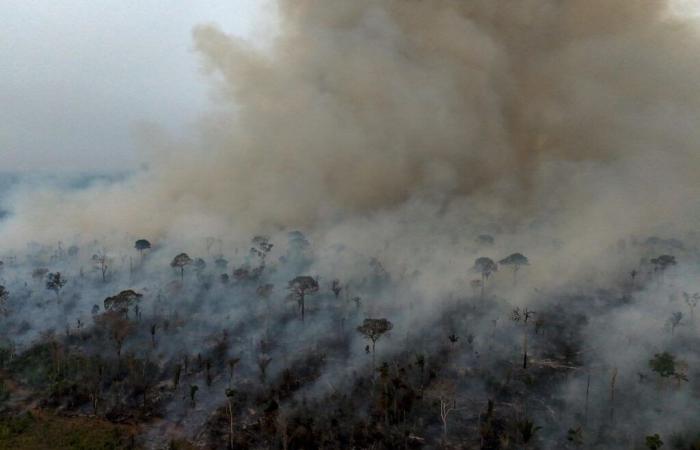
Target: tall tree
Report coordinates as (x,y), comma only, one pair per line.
(515,261)
(142,245)
(4,295)
(180,262)
(523,317)
(661,264)
(485,267)
(301,286)
(373,329)
(122,302)
(55,282)
(102,261)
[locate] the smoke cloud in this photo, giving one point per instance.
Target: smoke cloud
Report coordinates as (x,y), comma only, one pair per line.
(581,113)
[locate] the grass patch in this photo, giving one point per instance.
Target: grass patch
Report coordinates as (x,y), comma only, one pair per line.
(43,431)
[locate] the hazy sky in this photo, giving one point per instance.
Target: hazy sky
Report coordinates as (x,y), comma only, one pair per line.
(76,76)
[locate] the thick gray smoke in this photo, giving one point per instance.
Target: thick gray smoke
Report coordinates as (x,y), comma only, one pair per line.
(582,109)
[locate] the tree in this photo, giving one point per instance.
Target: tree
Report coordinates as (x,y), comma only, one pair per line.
(199,267)
(527,430)
(664,364)
(613,382)
(230,393)
(102,262)
(142,245)
(523,317)
(484,266)
(302,286)
(692,302)
(122,302)
(662,263)
(263,362)
(261,247)
(118,328)
(444,392)
(653,442)
(193,392)
(453,338)
(55,282)
(154,328)
(231,367)
(180,262)
(336,288)
(373,329)
(675,320)
(4,295)
(515,261)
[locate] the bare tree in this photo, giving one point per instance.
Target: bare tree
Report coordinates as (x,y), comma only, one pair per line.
(613,382)
(692,302)
(445,392)
(102,262)
(193,393)
(674,321)
(263,362)
(523,316)
(230,393)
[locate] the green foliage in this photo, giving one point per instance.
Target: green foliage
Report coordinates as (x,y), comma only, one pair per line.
(34,366)
(664,364)
(654,442)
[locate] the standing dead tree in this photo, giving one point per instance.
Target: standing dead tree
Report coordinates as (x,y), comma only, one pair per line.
(523,316)
(102,262)
(692,301)
(444,392)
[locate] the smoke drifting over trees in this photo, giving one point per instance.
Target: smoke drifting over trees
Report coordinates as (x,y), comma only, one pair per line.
(415,144)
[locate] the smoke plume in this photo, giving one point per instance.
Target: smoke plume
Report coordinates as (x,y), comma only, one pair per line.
(583,110)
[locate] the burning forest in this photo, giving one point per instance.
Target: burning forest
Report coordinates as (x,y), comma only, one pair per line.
(401,224)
